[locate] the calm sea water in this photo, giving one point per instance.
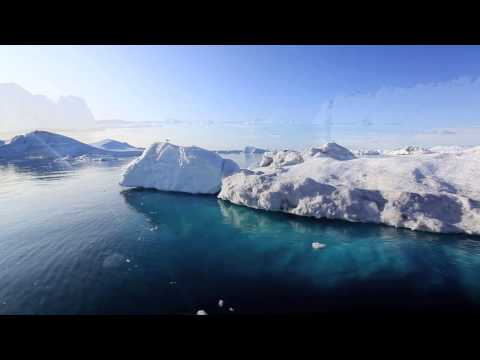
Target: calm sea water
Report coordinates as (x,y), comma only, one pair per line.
(74,242)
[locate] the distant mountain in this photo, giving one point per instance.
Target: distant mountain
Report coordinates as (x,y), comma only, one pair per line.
(20,110)
(109,144)
(47,145)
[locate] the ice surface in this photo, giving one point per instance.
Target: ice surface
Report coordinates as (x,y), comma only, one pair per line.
(432,192)
(168,167)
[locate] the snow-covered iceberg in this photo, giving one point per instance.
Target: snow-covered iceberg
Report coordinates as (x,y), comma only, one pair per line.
(331,150)
(48,145)
(281,158)
(409,150)
(114,145)
(168,167)
(430,192)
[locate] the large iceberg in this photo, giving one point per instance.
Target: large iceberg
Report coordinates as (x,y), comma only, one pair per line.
(430,192)
(168,167)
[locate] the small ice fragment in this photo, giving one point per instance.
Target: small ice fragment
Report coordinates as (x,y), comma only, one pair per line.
(231,309)
(317,245)
(201,312)
(172,282)
(220,303)
(128,260)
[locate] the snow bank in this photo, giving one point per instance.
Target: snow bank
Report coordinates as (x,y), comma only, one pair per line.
(168,167)
(430,192)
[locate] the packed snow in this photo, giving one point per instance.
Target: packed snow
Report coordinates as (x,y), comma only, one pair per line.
(168,167)
(48,145)
(437,192)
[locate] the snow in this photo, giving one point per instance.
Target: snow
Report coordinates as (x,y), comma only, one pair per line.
(48,145)
(113,145)
(168,167)
(436,192)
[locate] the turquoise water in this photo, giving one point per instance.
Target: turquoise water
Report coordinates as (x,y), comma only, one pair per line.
(74,242)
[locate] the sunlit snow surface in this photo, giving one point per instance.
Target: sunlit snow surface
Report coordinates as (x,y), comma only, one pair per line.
(72,242)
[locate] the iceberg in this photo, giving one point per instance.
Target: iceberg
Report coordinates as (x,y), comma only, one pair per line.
(281,158)
(113,145)
(331,150)
(409,150)
(48,145)
(253,150)
(168,167)
(428,192)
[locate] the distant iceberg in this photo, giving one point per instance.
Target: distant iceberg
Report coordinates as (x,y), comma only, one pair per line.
(428,192)
(113,145)
(253,150)
(168,167)
(48,145)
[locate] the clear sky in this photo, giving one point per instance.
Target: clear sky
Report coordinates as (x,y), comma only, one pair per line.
(270,95)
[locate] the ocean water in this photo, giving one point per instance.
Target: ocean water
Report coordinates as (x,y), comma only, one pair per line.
(72,241)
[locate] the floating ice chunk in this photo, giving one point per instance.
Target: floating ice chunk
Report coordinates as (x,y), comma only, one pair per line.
(167,167)
(231,309)
(201,312)
(317,245)
(220,303)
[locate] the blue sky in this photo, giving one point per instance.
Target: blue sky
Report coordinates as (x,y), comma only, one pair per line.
(282,91)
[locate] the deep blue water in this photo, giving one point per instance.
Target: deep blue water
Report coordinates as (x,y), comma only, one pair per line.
(74,242)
